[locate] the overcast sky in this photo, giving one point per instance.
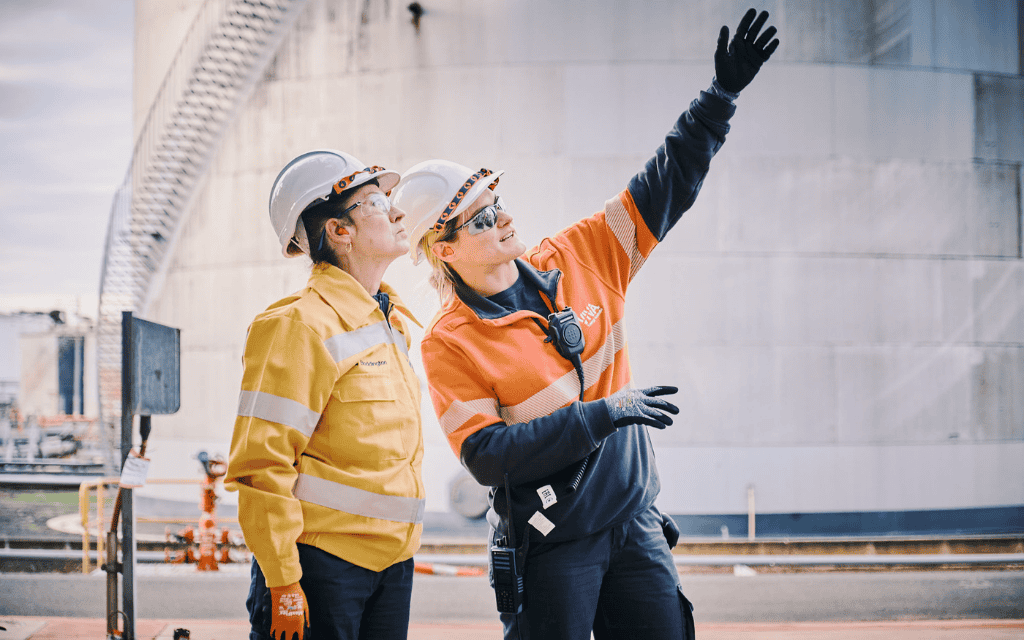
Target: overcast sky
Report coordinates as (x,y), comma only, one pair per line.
(65,140)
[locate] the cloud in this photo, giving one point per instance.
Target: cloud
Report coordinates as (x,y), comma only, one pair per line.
(28,275)
(18,100)
(66,46)
(50,246)
(65,139)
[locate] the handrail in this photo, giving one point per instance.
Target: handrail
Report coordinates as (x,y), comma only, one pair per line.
(219,63)
(100,523)
(83,510)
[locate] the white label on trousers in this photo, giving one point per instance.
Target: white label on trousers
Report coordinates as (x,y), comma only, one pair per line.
(540,523)
(547,496)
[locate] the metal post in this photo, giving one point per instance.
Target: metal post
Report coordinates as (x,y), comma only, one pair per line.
(128,521)
(100,526)
(83,511)
(77,399)
(7,431)
(34,438)
(751,519)
(111,568)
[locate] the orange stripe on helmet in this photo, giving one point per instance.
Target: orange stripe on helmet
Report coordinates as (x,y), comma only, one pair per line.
(463,190)
(343,184)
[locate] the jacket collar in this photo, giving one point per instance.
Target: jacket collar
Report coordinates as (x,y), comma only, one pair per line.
(348,298)
(544,281)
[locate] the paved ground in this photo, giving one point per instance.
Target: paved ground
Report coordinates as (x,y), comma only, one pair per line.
(75,628)
(177,591)
(926,605)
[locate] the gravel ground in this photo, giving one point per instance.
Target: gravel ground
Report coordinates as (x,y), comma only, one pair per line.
(24,513)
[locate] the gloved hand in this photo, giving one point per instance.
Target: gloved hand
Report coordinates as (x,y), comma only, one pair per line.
(671,529)
(738,63)
(289,613)
(641,406)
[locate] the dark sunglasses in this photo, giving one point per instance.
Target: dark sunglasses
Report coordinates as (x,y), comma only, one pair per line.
(483,219)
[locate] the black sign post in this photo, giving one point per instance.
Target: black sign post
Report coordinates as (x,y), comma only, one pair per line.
(150,385)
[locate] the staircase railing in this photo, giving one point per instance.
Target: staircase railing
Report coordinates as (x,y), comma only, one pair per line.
(220,62)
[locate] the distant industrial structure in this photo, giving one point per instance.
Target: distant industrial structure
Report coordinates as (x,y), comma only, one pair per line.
(842,309)
(47,363)
(12,327)
(48,398)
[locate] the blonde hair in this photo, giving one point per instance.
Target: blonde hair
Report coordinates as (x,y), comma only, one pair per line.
(443,277)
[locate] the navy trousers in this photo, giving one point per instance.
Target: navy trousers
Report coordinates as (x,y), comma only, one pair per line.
(346,602)
(621,583)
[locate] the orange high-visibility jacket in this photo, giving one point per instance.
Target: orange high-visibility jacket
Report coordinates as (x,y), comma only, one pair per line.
(508,402)
(328,445)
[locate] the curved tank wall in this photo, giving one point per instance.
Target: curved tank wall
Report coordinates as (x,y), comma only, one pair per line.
(842,308)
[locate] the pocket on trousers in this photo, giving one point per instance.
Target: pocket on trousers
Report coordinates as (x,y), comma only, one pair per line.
(686,612)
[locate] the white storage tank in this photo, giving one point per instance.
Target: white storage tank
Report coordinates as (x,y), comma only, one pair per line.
(842,308)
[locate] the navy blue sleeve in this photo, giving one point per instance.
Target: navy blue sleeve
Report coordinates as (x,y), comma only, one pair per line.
(668,185)
(536,449)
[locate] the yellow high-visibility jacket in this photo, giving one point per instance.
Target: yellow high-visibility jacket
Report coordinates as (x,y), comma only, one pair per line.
(328,444)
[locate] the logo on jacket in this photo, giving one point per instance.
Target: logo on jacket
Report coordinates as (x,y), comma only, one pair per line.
(589,315)
(372,363)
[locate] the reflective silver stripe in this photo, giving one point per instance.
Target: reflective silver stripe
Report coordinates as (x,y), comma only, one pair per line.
(273,408)
(566,389)
(597,364)
(345,345)
(616,216)
(551,398)
(399,341)
(460,412)
(342,497)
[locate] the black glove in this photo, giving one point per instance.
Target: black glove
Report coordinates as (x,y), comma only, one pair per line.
(738,63)
(633,406)
(671,529)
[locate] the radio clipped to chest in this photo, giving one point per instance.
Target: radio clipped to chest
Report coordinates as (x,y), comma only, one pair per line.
(565,332)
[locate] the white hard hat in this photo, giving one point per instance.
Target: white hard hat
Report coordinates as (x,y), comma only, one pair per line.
(312,177)
(435,191)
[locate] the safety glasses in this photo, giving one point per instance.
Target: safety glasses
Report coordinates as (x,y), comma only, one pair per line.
(377,203)
(483,220)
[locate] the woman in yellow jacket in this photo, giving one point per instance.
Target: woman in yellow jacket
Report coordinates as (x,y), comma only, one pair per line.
(327,447)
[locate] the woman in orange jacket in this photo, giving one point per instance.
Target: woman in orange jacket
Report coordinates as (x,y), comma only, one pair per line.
(327,447)
(528,372)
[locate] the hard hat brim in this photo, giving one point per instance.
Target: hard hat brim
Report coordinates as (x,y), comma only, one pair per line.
(387,179)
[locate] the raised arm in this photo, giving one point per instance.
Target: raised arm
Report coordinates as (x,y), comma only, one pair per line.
(669,183)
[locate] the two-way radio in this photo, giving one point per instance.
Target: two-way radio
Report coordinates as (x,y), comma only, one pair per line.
(506,566)
(565,333)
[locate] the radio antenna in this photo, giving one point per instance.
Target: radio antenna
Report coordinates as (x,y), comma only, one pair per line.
(508,506)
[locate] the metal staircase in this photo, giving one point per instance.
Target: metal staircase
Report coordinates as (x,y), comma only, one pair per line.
(221,60)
